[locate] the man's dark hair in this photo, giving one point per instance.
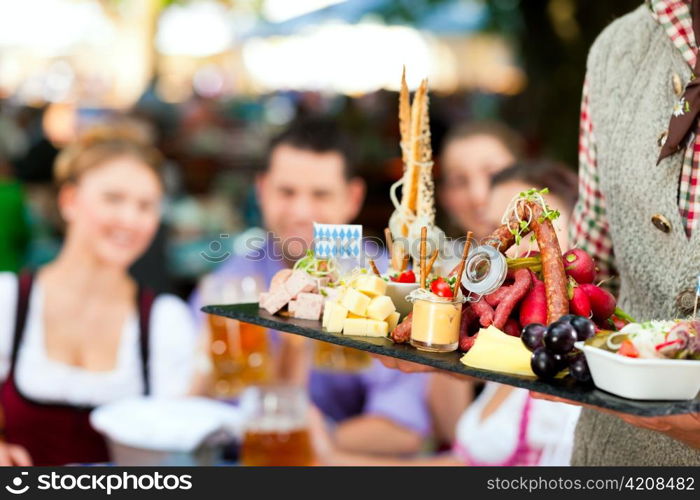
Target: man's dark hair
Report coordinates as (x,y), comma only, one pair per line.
(561,180)
(319,135)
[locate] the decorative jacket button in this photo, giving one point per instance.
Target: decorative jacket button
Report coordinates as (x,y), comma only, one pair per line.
(661,139)
(677,84)
(685,302)
(661,223)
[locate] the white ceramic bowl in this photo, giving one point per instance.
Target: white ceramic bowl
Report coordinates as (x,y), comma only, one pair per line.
(397,292)
(647,379)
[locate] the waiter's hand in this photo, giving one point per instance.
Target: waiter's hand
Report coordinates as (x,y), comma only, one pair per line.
(404,366)
(13,454)
(684,428)
(410,367)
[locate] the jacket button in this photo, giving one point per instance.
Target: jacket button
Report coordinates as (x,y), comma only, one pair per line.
(685,302)
(677,84)
(661,139)
(661,223)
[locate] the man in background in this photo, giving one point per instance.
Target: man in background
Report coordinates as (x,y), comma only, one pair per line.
(309,177)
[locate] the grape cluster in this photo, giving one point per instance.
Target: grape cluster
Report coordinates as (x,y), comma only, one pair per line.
(553,350)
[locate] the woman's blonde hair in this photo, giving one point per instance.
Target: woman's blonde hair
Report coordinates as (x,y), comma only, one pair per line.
(103,142)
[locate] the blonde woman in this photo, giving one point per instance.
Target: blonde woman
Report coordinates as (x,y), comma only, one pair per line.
(80,332)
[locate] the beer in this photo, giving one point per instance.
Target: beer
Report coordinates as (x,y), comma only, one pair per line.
(277,448)
(333,357)
(239,354)
(276,428)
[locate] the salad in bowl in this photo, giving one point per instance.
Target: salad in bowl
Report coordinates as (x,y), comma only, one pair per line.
(654,360)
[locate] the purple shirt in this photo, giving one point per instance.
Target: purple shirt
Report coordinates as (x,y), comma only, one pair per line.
(380,391)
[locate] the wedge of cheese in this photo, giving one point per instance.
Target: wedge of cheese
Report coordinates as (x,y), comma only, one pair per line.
(498,351)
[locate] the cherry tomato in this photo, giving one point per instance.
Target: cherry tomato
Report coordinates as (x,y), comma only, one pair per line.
(441,288)
(628,349)
(407,277)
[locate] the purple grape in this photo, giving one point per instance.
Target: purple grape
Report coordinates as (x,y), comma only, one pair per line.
(584,327)
(560,337)
(532,335)
(578,368)
(568,318)
(561,360)
(543,363)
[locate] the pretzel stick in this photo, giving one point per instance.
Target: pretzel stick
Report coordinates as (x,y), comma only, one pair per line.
(460,269)
(374,268)
(432,260)
(404,262)
(423,237)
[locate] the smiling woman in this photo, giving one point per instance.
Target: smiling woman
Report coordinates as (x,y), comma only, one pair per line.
(84,332)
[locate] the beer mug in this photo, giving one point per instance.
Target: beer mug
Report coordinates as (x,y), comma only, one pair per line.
(239,352)
(331,357)
(276,429)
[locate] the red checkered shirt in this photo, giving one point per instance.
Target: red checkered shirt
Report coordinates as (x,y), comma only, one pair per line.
(590,230)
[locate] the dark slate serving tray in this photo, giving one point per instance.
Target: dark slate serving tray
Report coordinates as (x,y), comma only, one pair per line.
(565,388)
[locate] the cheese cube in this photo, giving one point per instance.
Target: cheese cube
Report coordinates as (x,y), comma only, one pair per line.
(370,285)
(376,328)
(355,326)
(353,315)
(380,308)
(327,307)
(393,320)
(355,302)
(334,317)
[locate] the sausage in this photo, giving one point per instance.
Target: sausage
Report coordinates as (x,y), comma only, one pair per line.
(402,333)
(552,265)
(466,336)
(512,297)
(503,238)
(496,297)
(484,311)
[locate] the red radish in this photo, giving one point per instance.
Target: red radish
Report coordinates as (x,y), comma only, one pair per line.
(533,308)
(602,302)
(617,322)
(579,265)
(579,304)
(512,327)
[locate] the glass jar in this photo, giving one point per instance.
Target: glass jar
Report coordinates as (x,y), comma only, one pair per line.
(436,320)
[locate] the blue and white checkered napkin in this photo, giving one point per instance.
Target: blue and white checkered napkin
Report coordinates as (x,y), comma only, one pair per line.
(337,240)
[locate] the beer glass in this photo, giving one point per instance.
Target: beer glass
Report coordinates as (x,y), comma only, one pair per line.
(276,427)
(239,352)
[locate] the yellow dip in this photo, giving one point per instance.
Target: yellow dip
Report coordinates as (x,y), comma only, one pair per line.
(435,324)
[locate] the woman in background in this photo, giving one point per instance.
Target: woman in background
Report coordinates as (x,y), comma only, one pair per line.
(81,332)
